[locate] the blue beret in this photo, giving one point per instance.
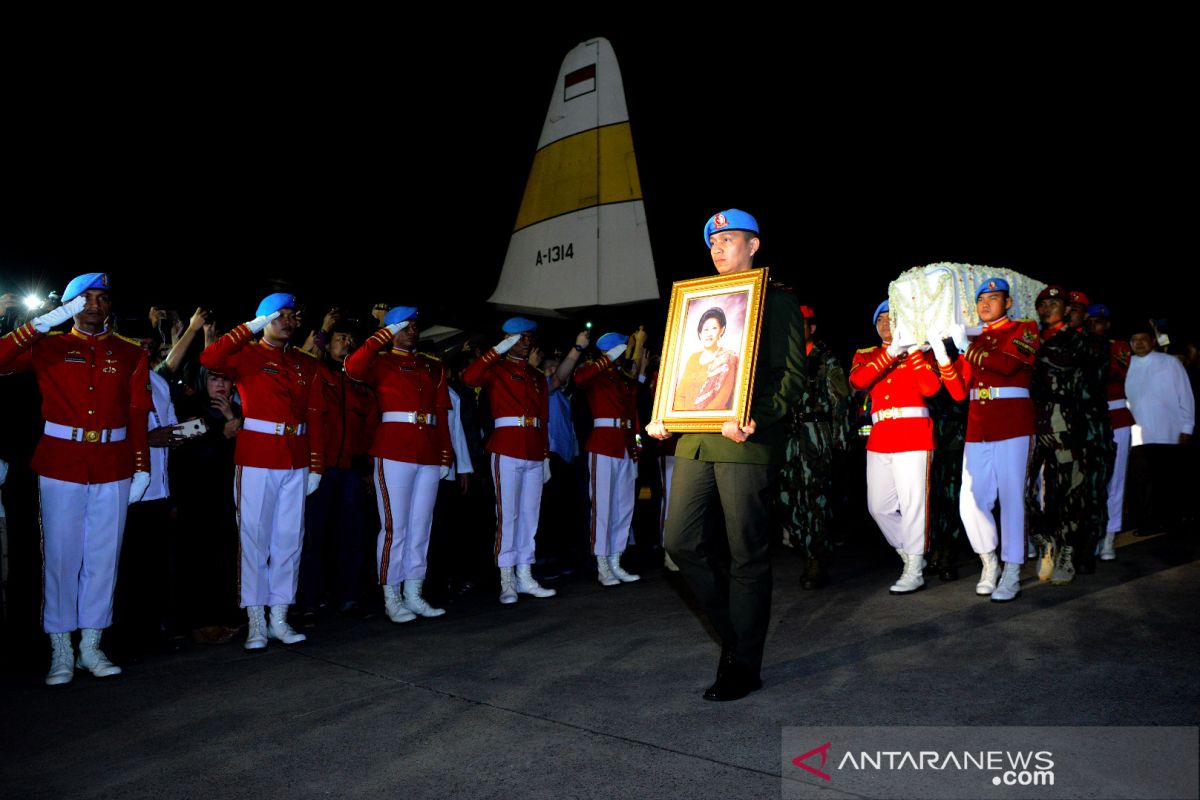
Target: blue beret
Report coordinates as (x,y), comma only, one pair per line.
(1098,310)
(882,308)
(992,285)
(275,302)
(92,280)
(400,314)
(610,340)
(729,220)
(519,325)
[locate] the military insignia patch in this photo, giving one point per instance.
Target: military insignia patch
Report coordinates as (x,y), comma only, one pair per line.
(719,221)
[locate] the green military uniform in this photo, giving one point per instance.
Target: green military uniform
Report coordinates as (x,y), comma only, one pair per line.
(1074,436)
(816,427)
(713,472)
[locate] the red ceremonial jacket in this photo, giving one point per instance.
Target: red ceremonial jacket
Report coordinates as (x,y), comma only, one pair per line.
(92,383)
(610,394)
(1118,368)
(901,383)
(276,384)
(405,382)
(514,389)
(1001,355)
(351,417)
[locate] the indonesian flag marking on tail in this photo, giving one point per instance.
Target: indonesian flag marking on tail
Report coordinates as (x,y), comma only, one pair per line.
(580,82)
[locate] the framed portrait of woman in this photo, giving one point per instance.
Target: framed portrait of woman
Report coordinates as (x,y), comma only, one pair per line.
(706,374)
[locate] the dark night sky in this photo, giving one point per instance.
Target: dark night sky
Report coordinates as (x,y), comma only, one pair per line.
(197,168)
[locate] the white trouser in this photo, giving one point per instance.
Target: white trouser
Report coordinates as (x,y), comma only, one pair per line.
(666,468)
(518,503)
(405,494)
(82,525)
(611,490)
(270,513)
(991,471)
(1116,484)
(898,497)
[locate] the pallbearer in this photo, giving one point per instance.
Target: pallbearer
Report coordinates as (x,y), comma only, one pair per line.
(412,453)
(520,403)
(900,448)
(283,407)
(997,368)
(1121,418)
(612,463)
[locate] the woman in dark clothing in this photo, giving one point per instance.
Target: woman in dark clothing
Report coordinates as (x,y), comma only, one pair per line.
(201,483)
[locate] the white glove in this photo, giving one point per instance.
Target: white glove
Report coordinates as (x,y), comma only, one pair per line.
(616,352)
(958,333)
(138,486)
(258,323)
(545,470)
(314,480)
(507,344)
(396,327)
(59,315)
(444,474)
(896,350)
(3,471)
(939,351)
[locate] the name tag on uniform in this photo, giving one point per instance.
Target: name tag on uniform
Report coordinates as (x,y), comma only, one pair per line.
(270,370)
(75,360)
(407,368)
(516,377)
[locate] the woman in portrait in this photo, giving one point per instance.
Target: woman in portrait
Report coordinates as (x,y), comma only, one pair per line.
(709,375)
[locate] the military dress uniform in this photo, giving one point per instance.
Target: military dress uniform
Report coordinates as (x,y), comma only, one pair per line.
(997,368)
(95,403)
(283,407)
(412,451)
(612,457)
(713,472)
(900,447)
(1121,419)
(519,400)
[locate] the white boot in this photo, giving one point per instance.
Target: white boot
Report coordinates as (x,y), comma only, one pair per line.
(1108,549)
(1064,569)
(92,658)
(62,660)
(508,585)
(417,604)
(620,574)
(256,636)
(1009,587)
(991,573)
(393,606)
(669,563)
(279,628)
(527,585)
(912,578)
(604,572)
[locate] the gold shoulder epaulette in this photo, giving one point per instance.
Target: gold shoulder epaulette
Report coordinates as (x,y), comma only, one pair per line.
(304,352)
(136,343)
(430,356)
(867,349)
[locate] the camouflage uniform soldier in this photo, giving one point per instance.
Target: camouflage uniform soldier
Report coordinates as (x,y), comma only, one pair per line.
(950,432)
(816,427)
(1065,366)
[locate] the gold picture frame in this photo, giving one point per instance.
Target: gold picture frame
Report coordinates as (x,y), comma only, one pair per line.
(710,348)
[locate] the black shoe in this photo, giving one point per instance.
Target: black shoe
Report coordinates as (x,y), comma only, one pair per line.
(734,681)
(354,610)
(1085,566)
(947,570)
(814,576)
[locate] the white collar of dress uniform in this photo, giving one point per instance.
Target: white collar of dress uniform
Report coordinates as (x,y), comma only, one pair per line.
(90,335)
(267,342)
(516,358)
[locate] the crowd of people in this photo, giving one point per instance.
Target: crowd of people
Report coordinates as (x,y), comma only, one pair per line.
(246,479)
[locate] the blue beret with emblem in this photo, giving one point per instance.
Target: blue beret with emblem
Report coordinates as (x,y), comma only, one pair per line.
(882,308)
(79,285)
(610,340)
(400,314)
(992,285)
(519,325)
(729,220)
(1098,310)
(275,302)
